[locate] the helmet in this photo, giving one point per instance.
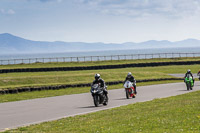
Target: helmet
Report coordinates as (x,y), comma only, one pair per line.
(97,76)
(188,70)
(129,74)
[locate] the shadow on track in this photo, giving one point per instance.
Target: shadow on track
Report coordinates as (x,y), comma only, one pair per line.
(184,90)
(121,99)
(88,107)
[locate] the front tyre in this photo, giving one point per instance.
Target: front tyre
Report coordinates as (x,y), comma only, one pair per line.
(106,101)
(188,86)
(96,100)
(127,94)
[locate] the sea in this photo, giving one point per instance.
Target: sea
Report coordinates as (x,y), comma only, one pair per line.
(97,53)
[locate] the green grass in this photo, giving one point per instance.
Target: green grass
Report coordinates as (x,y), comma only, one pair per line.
(13,80)
(94,63)
(168,115)
(68,91)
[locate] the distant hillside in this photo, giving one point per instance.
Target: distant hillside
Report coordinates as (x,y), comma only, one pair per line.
(13,44)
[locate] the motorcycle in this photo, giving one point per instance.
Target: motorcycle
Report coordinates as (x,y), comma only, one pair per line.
(98,94)
(189,82)
(198,74)
(129,89)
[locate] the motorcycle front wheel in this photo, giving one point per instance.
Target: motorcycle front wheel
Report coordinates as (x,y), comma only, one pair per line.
(127,94)
(96,100)
(106,101)
(188,86)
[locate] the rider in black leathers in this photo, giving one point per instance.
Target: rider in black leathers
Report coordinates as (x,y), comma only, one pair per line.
(189,73)
(102,83)
(130,78)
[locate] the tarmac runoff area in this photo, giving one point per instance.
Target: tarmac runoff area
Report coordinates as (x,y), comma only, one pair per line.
(24,113)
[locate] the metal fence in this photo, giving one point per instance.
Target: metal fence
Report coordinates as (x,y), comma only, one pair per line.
(98,58)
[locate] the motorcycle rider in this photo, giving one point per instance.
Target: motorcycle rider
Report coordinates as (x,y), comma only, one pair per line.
(198,74)
(98,80)
(130,78)
(189,73)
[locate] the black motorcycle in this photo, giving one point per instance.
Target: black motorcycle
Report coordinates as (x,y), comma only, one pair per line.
(98,95)
(198,74)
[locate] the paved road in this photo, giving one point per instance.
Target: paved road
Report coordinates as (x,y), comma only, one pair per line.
(21,113)
(182,75)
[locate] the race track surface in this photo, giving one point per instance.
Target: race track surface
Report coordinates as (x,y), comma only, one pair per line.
(23,113)
(182,75)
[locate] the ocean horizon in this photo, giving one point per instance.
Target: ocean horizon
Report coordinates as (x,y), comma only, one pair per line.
(100,53)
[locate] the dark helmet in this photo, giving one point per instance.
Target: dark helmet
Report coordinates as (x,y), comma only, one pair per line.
(97,76)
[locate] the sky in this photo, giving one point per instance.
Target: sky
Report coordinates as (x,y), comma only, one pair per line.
(107,21)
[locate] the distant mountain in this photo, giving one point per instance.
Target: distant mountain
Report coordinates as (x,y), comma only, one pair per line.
(13,44)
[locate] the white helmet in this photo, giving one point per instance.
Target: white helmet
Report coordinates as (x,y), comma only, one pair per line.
(188,70)
(97,76)
(129,74)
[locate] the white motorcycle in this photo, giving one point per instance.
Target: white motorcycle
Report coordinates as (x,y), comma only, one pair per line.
(129,89)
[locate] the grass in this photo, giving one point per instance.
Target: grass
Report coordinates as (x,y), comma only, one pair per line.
(170,115)
(95,63)
(68,91)
(14,80)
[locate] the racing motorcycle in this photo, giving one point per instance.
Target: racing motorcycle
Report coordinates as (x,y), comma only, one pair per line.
(98,94)
(189,82)
(129,89)
(198,74)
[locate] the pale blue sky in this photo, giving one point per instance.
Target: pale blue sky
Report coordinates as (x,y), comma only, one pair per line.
(109,21)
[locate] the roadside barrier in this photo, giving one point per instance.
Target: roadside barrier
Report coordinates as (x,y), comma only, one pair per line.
(57,87)
(153,64)
(98,58)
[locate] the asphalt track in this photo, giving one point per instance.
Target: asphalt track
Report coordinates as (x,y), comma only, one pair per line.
(183,75)
(23,113)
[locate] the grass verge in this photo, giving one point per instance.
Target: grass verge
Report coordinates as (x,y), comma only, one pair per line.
(68,91)
(170,115)
(14,80)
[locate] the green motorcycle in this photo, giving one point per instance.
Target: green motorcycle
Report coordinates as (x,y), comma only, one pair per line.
(189,82)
